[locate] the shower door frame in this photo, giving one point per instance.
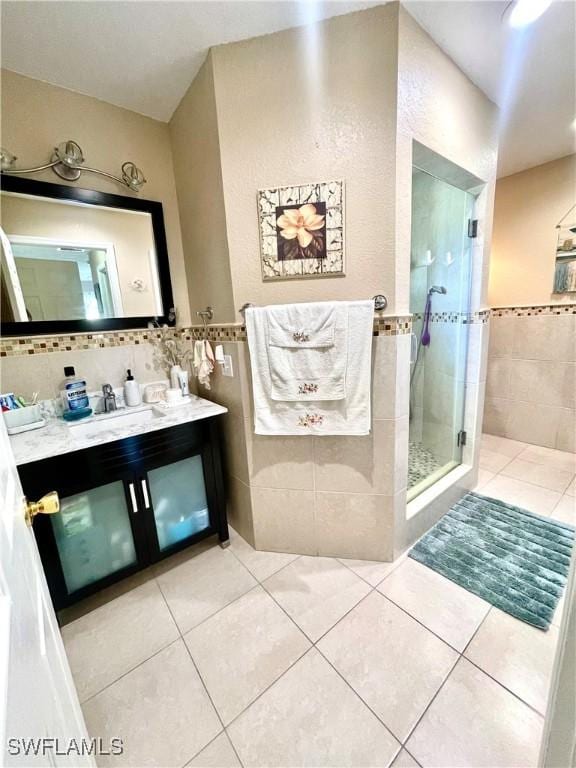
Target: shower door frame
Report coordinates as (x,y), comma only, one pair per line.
(461,383)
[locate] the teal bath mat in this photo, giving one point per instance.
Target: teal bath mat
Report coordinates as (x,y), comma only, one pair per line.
(512,558)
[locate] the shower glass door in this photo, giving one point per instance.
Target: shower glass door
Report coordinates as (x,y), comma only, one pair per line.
(439,301)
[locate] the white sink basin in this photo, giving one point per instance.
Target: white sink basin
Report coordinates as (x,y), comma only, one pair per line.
(115,420)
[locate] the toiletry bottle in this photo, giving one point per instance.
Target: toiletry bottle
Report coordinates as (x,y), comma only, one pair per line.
(174,371)
(73,391)
(183,383)
(132,394)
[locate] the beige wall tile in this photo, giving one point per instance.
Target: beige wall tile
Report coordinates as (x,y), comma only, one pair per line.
(539,381)
(240,515)
(284,520)
(234,448)
(532,423)
(360,464)
(280,462)
(356,526)
(531,381)
(501,336)
(498,377)
(545,337)
(245,376)
(390,376)
(496,416)
(566,435)
(477,352)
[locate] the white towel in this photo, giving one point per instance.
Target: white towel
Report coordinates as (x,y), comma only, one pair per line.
(307,351)
(203,362)
(348,416)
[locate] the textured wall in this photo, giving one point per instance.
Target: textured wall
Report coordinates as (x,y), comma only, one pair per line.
(527,207)
(37,116)
(312,104)
(442,109)
(196,148)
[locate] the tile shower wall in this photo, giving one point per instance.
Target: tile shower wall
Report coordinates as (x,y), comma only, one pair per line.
(337,496)
(531,379)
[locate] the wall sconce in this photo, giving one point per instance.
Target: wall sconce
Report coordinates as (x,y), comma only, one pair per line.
(67,161)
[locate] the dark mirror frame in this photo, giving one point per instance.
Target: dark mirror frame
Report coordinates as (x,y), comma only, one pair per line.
(92,197)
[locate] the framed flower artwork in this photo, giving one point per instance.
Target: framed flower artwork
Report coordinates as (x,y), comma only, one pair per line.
(302,231)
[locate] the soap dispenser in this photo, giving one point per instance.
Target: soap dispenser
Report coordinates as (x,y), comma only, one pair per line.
(132,394)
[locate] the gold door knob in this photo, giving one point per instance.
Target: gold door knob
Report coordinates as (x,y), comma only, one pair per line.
(48,505)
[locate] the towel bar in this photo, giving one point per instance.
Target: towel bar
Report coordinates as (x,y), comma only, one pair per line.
(380,304)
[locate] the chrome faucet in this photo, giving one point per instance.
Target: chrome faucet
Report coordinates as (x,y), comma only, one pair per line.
(109,398)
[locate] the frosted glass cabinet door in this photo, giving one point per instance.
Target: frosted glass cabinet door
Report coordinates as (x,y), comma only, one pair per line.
(93,535)
(178,496)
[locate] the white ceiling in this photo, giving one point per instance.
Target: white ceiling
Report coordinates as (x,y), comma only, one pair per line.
(144,55)
(139,55)
(530,73)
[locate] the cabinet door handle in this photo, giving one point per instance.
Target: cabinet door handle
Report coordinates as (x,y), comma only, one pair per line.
(145,494)
(133,497)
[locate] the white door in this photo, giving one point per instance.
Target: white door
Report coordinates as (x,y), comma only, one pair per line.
(41,721)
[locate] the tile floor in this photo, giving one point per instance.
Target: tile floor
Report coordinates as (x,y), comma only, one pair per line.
(236,657)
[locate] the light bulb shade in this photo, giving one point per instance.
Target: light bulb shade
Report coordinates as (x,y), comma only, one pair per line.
(524,12)
(132,176)
(70,153)
(7,159)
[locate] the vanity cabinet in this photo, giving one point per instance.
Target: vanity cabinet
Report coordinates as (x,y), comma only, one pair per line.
(125,505)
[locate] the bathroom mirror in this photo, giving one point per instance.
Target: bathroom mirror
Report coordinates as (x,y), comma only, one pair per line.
(79,260)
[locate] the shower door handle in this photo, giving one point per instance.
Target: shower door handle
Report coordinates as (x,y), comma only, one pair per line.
(413,348)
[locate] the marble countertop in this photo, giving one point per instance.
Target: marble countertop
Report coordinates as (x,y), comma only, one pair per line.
(56,437)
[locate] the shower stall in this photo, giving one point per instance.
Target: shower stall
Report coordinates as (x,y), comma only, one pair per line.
(440,270)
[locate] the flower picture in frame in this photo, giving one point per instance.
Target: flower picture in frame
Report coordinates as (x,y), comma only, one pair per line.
(302,231)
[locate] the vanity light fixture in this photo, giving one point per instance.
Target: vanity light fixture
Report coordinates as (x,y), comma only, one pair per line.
(67,161)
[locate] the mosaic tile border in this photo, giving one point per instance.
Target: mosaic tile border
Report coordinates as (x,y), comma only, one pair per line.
(536,309)
(19,346)
(466,318)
